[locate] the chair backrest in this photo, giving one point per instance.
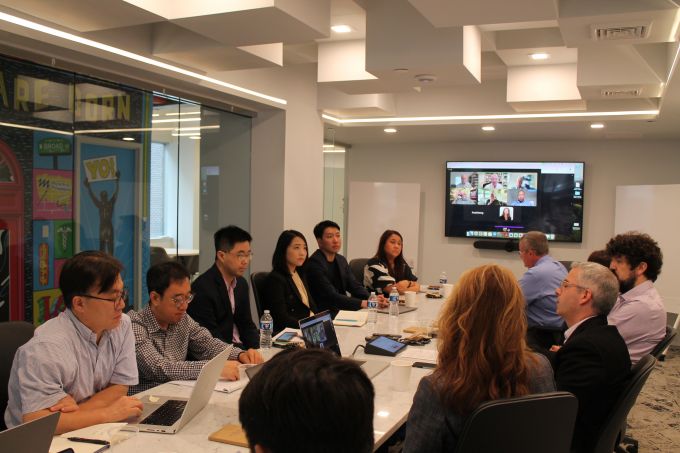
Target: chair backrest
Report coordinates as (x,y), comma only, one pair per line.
(525,424)
(610,433)
(356,266)
(566,264)
(158,255)
(658,350)
(257,279)
(13,334)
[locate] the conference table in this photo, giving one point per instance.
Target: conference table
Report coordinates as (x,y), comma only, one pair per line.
(391,407)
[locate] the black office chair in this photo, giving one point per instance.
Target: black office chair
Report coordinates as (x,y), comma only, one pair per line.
(660,348)
(13,334)
(158,255)
(257,279)
(566,264)
(525,424)
(611,433)
(356,266)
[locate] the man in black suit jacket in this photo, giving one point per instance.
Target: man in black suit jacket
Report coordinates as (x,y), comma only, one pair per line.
(593,363)
(225,310)
(329,276)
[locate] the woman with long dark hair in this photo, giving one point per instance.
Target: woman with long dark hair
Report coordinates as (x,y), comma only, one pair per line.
(388,268)
(482,356)
(286,293)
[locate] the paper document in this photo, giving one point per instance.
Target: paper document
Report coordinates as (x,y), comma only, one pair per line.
(99,432)
(418,353)
(351,318)
(221,386)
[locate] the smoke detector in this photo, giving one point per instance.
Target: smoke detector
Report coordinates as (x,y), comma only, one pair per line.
(425,78)
(620,32)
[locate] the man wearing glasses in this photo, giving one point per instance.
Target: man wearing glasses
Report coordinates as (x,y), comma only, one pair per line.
(170,345)
(593,363)
(221,297)
(83,361)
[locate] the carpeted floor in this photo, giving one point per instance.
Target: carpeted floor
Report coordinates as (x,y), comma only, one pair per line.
(654,421)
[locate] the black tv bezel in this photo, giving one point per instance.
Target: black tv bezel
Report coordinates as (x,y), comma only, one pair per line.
(501,239)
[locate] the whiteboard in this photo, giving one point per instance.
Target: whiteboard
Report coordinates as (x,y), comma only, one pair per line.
(654,210)
(378,206)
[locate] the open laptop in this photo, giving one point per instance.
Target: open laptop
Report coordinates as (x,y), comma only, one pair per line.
(318,331)
(169,414)
(34,436)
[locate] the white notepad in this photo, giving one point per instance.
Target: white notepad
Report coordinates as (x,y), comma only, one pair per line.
(351,318)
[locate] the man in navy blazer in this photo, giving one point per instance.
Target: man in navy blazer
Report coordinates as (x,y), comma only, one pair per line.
(221,299)
(593,363)
(329,277)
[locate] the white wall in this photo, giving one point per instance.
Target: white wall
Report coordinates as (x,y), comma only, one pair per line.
(608,164)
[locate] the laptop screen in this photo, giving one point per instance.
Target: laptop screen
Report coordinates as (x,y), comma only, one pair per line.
(318,332)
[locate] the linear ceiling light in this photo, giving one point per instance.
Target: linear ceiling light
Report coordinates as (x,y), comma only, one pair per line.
(341,28)
(174,120)
(420,119)
(133,56)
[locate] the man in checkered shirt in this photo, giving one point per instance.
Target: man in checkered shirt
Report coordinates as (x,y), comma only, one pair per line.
(169,344)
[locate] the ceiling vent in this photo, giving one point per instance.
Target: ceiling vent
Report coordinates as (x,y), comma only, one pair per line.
(621,92)
(620,32)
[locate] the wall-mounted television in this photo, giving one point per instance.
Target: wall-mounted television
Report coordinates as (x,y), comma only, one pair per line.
(504,200)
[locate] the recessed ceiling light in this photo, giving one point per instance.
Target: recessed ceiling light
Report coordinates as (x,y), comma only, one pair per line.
(488,128)
(390,130)
(597,126)
(128,139)
(341,28)
(539,56)
(195,137)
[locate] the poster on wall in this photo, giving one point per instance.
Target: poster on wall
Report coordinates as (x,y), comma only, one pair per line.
(4,275)
(108,203)
(47,305)
(52,194)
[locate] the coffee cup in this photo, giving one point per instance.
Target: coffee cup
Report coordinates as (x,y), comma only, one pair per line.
(411,298)
(401,374)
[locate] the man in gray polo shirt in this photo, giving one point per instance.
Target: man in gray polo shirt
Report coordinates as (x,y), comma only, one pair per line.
(81,362)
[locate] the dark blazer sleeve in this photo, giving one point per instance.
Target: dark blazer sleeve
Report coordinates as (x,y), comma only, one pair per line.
(209,306)
(324,293)
(250,335)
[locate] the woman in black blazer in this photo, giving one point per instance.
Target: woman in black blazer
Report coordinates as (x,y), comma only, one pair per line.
(286,293)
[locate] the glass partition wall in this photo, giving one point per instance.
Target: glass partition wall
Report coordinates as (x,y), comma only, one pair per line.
(87,164)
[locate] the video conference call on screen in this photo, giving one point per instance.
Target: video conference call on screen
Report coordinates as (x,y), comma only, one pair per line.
(503,200)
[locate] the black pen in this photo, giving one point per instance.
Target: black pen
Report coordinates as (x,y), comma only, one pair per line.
(89,441)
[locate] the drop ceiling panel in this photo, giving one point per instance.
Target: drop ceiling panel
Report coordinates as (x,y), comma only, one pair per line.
(258,26)
(85,15)
(451,13)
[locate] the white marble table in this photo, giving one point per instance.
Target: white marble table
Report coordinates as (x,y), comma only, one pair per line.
(391,407)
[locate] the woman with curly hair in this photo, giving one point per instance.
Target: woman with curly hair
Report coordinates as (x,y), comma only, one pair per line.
(482,356)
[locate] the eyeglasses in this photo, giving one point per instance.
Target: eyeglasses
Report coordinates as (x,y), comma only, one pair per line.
(241,256)
(181,300)
(565,284)
(122,296)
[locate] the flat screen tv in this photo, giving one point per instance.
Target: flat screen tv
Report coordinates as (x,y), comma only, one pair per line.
(504,200)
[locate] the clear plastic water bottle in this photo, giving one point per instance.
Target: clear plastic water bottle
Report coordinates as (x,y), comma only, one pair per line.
(266,329)
(372,306)
(394,301)
(443,280)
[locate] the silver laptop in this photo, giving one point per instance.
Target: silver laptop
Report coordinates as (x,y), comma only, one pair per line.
(169,414)
(318,331)
(34,436)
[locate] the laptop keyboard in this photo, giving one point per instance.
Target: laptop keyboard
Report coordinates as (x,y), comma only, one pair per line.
(166,414)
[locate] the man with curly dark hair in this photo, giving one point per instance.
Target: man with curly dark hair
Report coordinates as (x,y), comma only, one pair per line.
(639,313)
